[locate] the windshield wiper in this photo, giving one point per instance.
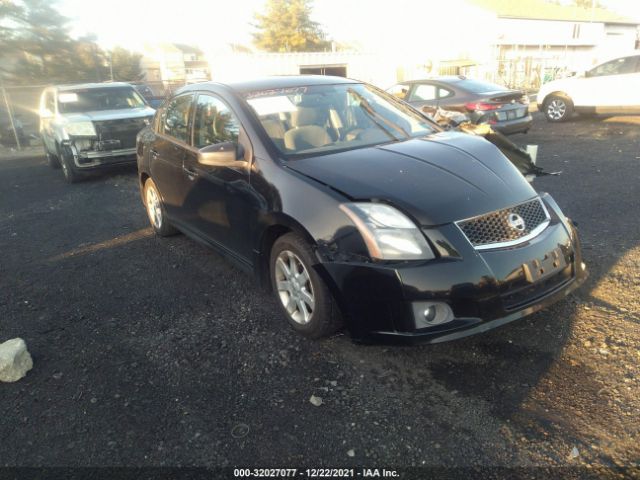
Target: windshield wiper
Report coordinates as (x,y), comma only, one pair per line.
(373,114)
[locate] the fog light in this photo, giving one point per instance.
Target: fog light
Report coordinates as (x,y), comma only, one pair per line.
(429,314)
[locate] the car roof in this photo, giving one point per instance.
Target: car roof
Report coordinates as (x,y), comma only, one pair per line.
(439,78)
(87,86)
(274,82)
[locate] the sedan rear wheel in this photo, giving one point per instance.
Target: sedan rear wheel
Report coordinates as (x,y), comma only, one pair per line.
(302,295)
(155,210)
(558,108)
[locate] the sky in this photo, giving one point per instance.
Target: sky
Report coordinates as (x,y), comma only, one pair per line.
(208,23)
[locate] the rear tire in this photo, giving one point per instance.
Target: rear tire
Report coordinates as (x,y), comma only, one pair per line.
(302,295)
(558,108)
(156,211)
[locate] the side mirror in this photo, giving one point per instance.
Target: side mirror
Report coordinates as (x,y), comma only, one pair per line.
(220,154)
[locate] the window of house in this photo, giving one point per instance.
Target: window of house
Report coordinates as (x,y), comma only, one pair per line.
(175,118)
(214,122)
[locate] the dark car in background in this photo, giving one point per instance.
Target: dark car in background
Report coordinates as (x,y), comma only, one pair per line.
(91,126)
(506,110)
(355,208)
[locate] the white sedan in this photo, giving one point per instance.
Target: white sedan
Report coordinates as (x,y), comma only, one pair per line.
(612,87)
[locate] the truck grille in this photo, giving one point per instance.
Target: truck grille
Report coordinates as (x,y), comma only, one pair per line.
(123,130)
(493,230)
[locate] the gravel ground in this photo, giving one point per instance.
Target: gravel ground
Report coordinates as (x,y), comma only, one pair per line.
(157,352)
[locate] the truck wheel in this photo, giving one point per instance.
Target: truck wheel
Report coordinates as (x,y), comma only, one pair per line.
(558,108)
(302,295)
(52,160)
(65,156)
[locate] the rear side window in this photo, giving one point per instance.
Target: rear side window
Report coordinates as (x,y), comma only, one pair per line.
(425,92)
(214,122)
(444,92)
(175,118)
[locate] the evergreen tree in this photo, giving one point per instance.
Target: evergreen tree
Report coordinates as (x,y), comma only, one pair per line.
(286,26)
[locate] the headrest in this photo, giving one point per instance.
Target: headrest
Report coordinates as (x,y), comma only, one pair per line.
(304,116)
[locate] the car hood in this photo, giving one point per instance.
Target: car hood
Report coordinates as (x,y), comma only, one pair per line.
(437,179)
(101,115)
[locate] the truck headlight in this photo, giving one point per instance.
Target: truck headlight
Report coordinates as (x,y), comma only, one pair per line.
(387,232)
(80,129)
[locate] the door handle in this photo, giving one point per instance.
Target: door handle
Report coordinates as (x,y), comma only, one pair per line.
(192,174)
(153,153)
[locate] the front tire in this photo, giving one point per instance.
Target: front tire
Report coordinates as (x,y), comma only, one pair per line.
(558,108)
(65,156)
(156,211)
(52,160)
(302,295)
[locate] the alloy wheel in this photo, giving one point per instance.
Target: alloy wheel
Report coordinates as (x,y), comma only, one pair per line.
(294,287)
(556,109)
(154,208)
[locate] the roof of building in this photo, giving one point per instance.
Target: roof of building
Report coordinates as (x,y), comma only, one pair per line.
(184,48)
(545,10)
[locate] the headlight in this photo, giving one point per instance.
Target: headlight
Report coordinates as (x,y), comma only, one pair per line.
(80,129)
(388,234)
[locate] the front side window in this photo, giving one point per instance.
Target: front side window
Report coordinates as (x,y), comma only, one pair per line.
(214,122)
(424,92)
(399,91)
(49,102)
(175,118)
(95,99)
(619,66)
(310,120)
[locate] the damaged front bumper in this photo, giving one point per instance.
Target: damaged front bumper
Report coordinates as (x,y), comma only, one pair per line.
(483,289)
(89,159)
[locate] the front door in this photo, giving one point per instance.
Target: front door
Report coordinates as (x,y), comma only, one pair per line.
(220,203)
(610,87)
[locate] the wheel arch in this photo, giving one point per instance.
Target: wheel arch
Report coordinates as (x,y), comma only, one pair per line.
(274,227)
(557,93)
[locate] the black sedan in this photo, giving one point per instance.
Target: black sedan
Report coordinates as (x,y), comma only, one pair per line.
(354,209)
(506,110)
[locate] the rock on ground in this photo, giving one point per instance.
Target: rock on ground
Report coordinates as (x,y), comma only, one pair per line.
(15,360)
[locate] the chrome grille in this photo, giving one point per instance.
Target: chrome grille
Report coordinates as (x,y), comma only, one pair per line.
(493,229)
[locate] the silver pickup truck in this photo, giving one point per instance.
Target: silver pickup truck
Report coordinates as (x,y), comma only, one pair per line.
(91,126)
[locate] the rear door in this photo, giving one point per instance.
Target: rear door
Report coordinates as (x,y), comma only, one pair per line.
(167,153)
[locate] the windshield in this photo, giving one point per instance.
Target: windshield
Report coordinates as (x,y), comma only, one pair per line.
(316,119)
(92,99)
